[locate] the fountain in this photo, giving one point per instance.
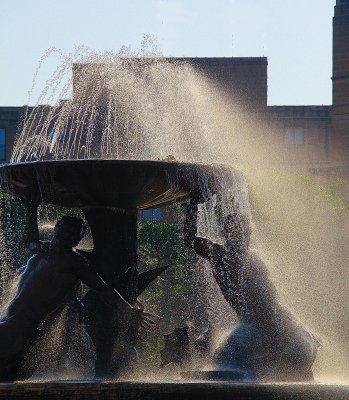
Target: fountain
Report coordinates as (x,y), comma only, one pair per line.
(109,193)
(103,152)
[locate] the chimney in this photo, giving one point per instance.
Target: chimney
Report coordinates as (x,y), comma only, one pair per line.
(340,82)
(341,8)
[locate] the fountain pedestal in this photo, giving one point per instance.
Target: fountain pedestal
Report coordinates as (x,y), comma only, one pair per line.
(114,235)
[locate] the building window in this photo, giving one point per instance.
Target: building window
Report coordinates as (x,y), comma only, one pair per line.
(155,215)
(294,136)
(2,144)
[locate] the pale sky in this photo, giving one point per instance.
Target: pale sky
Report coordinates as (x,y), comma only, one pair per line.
(295,35)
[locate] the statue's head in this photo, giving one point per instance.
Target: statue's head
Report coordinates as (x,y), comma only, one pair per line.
(69,231)
(237,227)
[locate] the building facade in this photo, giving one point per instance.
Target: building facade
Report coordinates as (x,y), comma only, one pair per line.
(340,84)
(10,118)
(311,138)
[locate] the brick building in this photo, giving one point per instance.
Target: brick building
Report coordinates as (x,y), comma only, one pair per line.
(340,84)
(302,135)
(314,139)
(10,118)
(245,79)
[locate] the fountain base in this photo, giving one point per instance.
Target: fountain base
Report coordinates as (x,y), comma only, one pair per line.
(108,390)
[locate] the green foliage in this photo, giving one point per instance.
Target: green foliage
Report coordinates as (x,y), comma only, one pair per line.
(169,295)
(162,244)
(149,351)
(54,213)
(12,224)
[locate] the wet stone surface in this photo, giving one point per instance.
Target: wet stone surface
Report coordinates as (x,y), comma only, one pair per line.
(169,390)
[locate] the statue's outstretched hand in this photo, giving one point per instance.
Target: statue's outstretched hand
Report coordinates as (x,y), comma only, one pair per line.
(144,319)
(147,321)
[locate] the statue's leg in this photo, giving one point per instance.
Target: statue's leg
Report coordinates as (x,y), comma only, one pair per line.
(98,325)
(13,348)
(237,353)
(10,368)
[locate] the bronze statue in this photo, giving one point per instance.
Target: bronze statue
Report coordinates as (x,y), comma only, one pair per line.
(267,344)
(48,279)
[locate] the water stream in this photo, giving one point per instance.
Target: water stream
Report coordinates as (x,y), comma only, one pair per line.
(139,105)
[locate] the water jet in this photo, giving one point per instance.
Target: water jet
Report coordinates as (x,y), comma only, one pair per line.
(110,191)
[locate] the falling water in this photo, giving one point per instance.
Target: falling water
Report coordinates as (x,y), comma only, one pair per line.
(123,107)
(140,105)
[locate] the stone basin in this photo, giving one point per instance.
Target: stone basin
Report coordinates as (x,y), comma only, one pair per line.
(125,184)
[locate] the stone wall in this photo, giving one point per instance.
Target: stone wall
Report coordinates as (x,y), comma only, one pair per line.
(302,134)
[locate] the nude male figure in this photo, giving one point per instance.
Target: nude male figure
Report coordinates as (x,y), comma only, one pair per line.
(267,344)
(48,279)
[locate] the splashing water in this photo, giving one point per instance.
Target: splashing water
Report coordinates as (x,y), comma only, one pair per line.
(140,105)
(123,107)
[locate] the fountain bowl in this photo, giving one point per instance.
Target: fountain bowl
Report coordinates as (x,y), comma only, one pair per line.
(125,184)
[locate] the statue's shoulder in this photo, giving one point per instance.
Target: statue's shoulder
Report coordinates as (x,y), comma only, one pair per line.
(35,258)
(32,263)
